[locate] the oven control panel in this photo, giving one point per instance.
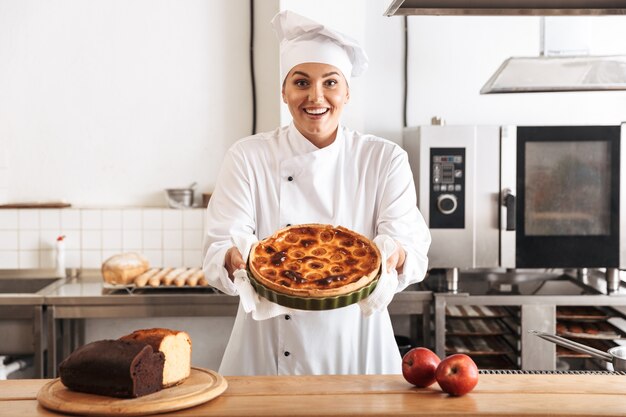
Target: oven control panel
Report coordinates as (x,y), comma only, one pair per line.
(447,188)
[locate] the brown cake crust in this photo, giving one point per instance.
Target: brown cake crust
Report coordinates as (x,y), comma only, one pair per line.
(113,368)
(315,260)
(153,337)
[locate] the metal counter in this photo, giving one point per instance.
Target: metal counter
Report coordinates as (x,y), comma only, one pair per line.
(83,298)
(24,322)
(22,313)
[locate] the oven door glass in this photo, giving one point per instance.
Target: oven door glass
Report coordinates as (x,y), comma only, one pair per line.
(568,200)
(568,188)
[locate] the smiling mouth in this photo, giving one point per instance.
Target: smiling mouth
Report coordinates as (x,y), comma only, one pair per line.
(317,112)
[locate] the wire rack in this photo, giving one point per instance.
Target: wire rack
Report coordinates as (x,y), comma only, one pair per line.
(520,372)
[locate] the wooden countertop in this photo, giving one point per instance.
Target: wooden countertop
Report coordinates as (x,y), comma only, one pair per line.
(381,395)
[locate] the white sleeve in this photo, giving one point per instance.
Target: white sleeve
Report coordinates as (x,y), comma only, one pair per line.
(230,215)
(400,218)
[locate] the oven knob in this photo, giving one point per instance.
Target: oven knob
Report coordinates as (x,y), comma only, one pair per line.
(446,203)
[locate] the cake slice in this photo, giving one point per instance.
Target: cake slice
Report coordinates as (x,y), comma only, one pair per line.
(175,345)
(114,368)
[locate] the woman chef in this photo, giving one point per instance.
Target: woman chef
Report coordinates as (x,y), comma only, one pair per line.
(314,171)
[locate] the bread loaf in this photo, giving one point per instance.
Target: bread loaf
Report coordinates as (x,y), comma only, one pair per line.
(114,368)
(122,269)
(175,345)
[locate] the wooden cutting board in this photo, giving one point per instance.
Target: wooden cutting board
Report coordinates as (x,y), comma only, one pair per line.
(201,386)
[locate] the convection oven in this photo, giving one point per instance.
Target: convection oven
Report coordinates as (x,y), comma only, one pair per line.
(521,196)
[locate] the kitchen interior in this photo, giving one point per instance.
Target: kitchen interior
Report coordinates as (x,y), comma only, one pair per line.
(115,116)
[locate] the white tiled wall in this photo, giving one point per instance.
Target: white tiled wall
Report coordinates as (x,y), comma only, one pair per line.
(167,237)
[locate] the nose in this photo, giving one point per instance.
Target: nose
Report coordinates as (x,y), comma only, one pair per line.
(316,95)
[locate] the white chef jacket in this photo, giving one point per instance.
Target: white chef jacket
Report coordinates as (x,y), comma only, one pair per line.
(274,179)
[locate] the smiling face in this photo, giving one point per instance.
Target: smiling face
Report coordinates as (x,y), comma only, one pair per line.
(315,94)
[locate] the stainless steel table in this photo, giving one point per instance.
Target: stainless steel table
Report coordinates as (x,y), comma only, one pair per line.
(85,298)
(22,313)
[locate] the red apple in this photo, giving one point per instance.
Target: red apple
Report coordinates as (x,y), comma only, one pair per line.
(419,365)
(457,374)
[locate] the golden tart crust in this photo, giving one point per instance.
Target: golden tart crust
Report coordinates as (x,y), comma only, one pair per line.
(314,260)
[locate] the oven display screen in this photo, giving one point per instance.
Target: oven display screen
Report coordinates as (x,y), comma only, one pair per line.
(567,186)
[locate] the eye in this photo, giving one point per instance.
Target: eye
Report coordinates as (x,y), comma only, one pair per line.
(331,82)
(301,83)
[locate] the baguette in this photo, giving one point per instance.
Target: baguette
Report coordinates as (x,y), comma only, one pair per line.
(203,281)
(193,279)
(142,279)
(155,281)
(169,278)
(179,281)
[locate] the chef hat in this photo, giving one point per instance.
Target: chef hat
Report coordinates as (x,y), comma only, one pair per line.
(304,40)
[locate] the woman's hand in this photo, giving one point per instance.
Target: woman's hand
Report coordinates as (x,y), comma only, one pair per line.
(396,259)
(233,261)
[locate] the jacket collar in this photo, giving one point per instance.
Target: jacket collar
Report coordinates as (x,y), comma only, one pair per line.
(302,145)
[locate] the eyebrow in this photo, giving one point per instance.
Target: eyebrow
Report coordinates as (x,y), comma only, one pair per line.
(328,74)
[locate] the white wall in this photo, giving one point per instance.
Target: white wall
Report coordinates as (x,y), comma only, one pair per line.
(384,82)
(107,102)
(452,57)
(266,66)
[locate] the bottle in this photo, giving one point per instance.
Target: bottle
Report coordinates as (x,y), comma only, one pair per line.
(60,265)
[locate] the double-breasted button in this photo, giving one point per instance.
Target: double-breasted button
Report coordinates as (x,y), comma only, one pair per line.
(287,317)
(287,353)
(290,178)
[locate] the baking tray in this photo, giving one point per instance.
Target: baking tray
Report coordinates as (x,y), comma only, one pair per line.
(580,313)
(602,345)
(475,345)
(108,289)
(165,279)
(475,327)
(310,303)
(588,330)
(475,311)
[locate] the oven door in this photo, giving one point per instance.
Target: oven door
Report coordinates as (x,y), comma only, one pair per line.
(567,209)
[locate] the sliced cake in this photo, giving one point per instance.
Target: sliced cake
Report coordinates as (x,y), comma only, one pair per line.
(175,346)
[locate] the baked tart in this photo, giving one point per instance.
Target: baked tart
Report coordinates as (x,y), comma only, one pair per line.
(315,261)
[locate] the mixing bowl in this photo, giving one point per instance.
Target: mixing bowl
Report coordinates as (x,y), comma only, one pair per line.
(180,197)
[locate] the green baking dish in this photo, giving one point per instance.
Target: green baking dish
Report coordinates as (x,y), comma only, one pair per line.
(313,304)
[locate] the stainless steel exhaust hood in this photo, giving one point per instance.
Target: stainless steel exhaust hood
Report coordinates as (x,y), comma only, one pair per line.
(506,7)
(558,74)
(555,70)
(565,63)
